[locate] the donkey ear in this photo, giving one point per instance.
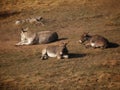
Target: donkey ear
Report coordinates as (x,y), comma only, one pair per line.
(85,33)
(24,30)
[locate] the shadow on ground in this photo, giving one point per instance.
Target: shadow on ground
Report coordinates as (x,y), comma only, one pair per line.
(113,45)
(76,55)
(5,14)
(62,39)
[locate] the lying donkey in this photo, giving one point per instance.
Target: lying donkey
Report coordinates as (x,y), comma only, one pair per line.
(37,20)
(59,51)
(95,41)
(43,37)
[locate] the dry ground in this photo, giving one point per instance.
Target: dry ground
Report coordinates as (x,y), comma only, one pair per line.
(87,69)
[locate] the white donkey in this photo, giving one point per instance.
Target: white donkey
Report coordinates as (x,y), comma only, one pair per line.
(60,51)
(43,37)
(37,20)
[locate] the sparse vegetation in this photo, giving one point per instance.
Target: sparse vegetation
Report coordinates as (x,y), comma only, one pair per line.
(87,69)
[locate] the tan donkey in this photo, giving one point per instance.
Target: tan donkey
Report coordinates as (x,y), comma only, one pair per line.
(43,37)
(95,41)
(60,51)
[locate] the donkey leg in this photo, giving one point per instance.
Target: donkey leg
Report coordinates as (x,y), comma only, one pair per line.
(44,54)
(59,56)
(28,42)
(65,56)
(19,44)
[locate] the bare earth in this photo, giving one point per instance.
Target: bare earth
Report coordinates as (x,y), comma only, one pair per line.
(86,69)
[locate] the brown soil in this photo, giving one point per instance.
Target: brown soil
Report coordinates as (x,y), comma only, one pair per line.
(86,69)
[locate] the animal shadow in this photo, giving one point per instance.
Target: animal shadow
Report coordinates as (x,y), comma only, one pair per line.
(6,14)
(113,45)
(62,39)
(76,55)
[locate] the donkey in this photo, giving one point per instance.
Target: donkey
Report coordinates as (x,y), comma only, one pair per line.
(37,20)
(95,41)
(60,51)
(43,37)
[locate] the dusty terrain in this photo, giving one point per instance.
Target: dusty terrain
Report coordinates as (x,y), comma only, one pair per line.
(87,69)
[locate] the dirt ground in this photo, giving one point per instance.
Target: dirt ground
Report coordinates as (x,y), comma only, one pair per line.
(87,69)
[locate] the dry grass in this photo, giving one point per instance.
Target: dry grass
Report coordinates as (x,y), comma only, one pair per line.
(87,69)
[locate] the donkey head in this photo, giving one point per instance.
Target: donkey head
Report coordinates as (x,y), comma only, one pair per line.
(24,30)
(63,45)
(84,37)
